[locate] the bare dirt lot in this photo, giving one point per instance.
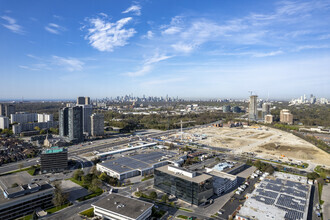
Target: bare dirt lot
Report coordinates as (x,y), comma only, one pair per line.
(265,142)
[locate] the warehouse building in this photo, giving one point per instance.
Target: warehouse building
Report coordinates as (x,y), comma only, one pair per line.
(277,198)
(130,166)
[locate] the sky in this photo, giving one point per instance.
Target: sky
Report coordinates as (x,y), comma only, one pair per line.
(188,48)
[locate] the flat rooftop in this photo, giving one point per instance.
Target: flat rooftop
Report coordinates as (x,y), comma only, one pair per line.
(122,205)
(54,150)
(222,175)
(280,198)
(197,179)
(44,187)
(138,161)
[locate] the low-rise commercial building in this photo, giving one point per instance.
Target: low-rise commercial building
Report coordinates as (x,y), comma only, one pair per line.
(222,182)
(54,159)
(130,166)
(118,207)
(25,197)
(191,187)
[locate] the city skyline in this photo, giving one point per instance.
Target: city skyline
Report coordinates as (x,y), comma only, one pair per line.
(185,49)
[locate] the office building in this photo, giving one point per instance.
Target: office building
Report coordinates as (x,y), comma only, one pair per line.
(23,117)
(4,122)
(45,117)
(286,116)
(83,101)
(222,182)
(253,111)
(118,207)
(26,197)
(191,187)
(269,119)
(87,111)
(54,159)
(71,123)
(2,110)
(97,125)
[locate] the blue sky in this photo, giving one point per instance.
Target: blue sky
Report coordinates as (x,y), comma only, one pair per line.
(202,49)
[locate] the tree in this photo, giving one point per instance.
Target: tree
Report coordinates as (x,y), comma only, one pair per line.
(153,195)
(94,171)
(87,179)
(217,159)
(95,185)
(165,198)
(59,198)
(104,177)
(36,128)
(78,174)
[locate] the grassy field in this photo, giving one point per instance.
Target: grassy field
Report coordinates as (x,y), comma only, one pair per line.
(55,209)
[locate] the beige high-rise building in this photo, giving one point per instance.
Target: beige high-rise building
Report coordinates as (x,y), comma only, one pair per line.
(97,124)
(286,116)
(269,119)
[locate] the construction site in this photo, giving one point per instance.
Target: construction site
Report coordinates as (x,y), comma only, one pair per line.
(264,142)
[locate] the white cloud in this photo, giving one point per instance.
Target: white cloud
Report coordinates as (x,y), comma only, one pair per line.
(307,47)
(136,9)
(184,48)
(148,65)
(105,36)
(273,53)
(149,35)
(54,28)
(70,64)
(12,25)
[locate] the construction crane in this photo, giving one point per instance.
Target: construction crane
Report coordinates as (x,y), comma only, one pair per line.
(251,92)
(181,122)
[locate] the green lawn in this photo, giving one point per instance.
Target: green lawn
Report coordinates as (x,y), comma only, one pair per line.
(55,209)
(88,212)
(80,183)
(182,216)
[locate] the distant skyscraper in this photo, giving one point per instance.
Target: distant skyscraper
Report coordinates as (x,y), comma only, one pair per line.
(71,123)
(286,116)
(87,101)
(97,124)
(253,111)
(83,101)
